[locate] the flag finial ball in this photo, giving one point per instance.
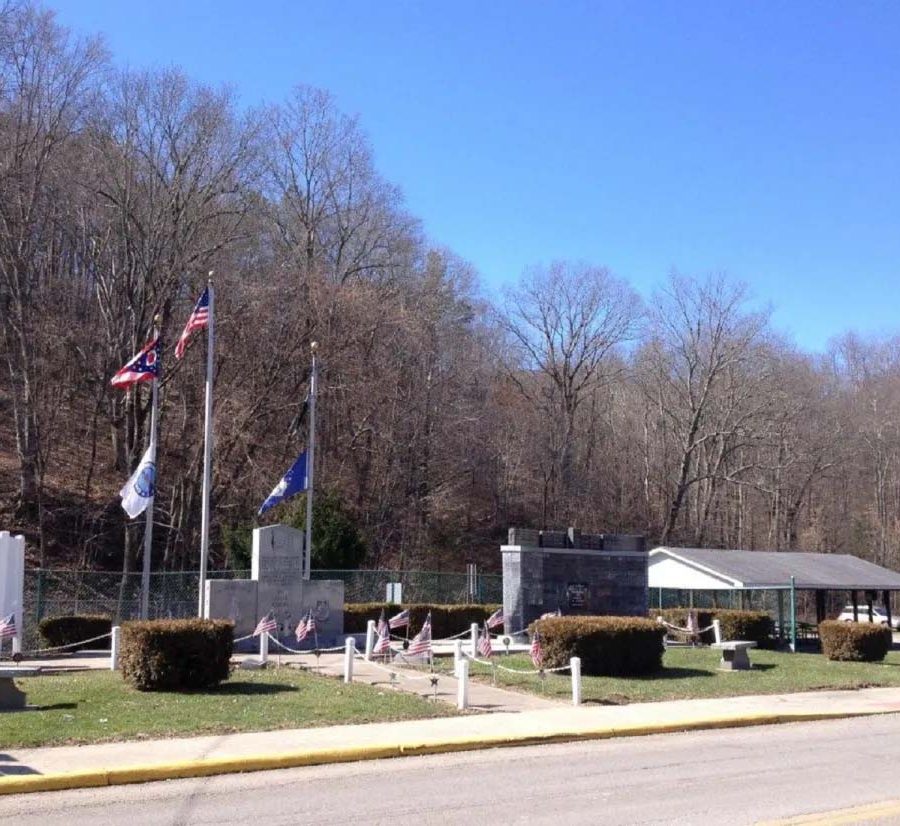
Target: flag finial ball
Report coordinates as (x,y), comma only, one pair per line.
(314,346)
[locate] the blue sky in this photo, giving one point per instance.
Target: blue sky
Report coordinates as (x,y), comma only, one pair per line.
(760,139)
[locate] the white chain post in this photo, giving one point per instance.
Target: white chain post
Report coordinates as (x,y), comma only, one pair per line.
(264,647)
(473,632)
(370,638)
(717,630)
(349,650)
(114,648)
(575,668)
(457,656)
(462,687)
(17,644)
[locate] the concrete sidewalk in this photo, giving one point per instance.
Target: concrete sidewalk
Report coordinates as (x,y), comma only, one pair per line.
(24,770)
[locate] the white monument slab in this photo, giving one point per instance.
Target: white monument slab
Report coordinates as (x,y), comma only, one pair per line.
(12,582)
(278,569)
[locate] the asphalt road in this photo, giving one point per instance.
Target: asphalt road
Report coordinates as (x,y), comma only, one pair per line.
(724,777)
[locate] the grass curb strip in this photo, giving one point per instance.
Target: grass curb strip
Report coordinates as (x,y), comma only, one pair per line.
(351,754)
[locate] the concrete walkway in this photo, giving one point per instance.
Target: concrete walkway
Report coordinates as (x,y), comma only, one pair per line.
(23,770)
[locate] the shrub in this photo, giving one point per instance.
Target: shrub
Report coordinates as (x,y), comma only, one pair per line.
(608,646)
(854,641)
(747,625)
(58,631)
(446,620)
(735,625)
(175,655)
(678,616)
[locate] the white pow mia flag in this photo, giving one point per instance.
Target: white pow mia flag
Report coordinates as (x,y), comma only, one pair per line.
(139,489)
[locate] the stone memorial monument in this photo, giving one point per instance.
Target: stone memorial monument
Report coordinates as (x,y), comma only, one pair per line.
(573,573)
(277,585)
(12,579)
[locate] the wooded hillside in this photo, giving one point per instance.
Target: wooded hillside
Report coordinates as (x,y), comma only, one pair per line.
(444,417)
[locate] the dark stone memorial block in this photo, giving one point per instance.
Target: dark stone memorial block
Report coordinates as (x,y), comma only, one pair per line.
(608,577)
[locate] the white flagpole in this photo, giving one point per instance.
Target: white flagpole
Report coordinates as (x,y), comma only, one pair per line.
(207,449)
(310,461)
(148,530)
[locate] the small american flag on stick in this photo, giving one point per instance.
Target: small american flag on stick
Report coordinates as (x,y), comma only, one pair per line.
(421,643)
(266,625)
(383,643)
(8,626)
(537,653)
(198,319)
(496,619)
(484,643)
(305,627)
(401,619)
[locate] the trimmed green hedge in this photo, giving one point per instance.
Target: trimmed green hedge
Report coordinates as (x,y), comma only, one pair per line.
(446,620)
(757,626)
(175,655)
(854,641)
(58,631)
(608,646)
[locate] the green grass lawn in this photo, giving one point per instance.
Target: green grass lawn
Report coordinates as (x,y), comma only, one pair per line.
(693,672)
(97,706)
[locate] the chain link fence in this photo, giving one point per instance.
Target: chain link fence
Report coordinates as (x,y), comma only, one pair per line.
(173,595)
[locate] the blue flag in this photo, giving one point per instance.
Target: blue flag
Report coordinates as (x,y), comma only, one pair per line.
(294,481)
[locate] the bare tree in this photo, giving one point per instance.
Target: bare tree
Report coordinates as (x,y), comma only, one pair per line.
(564,322)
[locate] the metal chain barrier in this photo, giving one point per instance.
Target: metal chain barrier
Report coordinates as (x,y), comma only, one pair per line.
(314,651)
(67,645)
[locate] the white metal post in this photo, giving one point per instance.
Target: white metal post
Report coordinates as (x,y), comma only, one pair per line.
(310,462)
(264,647)
(457,656)
(473,632)
(717,630)
(370,639)
(349,650)
(148,529)
(462,688)
(575,668)
(207,450)
(114,648)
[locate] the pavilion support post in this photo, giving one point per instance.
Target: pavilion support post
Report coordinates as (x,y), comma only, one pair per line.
(781,636)
(854,600)
(886,598)
(820,606)
(870,599)
(793,614)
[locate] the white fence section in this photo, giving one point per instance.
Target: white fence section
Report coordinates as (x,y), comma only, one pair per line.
(114,648)
(12,581)
(575,670)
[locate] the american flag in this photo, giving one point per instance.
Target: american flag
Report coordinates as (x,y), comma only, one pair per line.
(266,625)
(199,319)
(142,367)
(399,620)
(421,643)
(496,619)
(537,653)
(484,642)
(305,626)
(8,626)
(383,643)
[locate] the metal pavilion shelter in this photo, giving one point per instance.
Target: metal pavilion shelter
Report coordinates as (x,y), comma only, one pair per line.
(701,570)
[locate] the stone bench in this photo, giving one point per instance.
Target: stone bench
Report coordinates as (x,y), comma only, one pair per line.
(735,654)
(11,697)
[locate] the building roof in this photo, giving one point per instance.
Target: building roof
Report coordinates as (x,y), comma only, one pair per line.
(768,569)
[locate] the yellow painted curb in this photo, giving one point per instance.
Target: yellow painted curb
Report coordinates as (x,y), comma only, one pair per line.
(351,754)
